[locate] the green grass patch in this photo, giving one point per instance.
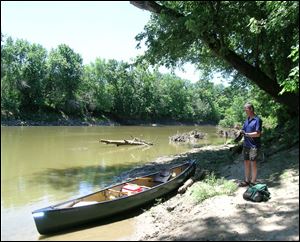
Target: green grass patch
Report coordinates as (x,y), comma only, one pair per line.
(285,175)
(212,186)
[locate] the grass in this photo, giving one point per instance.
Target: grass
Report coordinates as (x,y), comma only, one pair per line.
(212,186)
(285,174)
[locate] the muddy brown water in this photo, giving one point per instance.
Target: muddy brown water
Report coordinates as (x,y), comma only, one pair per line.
(41,166)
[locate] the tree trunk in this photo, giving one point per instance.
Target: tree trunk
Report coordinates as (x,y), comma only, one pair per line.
(270,86)
(254,74)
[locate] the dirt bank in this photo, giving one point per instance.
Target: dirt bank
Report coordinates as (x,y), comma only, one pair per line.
(229,217)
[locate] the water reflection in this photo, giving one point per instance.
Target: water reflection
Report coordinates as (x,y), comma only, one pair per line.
(77,178)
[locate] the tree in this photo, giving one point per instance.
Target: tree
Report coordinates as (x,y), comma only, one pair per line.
(254,38)
(205,97)
(116,75)
(65,74)
(23,71)
(93,90)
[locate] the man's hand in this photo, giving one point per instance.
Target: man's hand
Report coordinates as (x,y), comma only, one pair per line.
(245,134)
(240,136)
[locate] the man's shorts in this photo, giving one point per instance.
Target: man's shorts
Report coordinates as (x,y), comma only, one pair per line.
(250,153)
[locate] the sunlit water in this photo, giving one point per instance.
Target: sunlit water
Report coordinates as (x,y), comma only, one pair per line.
(46,165)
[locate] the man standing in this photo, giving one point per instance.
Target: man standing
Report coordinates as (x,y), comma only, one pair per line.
(251,130)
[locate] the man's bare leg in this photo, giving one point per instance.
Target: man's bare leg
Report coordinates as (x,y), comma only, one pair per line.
(253,171)
(247,170)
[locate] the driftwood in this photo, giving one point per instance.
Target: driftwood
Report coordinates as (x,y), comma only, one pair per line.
(192,137)
(186,185)
(134,141)
(198,176)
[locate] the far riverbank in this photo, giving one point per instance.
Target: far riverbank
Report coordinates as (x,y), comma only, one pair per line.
(94,122)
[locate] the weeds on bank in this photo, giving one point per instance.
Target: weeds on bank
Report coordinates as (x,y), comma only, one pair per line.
(158,201)
(212,186)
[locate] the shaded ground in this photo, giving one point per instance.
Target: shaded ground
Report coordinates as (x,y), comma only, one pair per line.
(229,217)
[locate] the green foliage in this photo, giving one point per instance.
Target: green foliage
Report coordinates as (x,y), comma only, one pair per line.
(210,187)
(158,201)
(291,83)
(207,34)
(174,97)
(33,81)
(22,74)
(203,101)
(64,76)
(235,113)
(256,26)
(93,91)
(283,136)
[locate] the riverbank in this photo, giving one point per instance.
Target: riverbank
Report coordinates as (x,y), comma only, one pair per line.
(94,122)
(62,119)
(73,122)
(226,217)
(57,120)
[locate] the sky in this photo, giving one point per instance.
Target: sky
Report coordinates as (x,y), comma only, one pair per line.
(104,29)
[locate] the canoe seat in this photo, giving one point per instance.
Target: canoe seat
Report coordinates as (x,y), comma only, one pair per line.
(162,176)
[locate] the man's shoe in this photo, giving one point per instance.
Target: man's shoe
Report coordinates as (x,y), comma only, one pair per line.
(244,184)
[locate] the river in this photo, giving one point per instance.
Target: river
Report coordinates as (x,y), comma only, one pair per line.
(46,165)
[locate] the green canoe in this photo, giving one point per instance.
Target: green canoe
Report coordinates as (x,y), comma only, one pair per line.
(112,200)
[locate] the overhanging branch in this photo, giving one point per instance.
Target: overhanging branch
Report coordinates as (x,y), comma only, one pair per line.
(154,7)
(254,74)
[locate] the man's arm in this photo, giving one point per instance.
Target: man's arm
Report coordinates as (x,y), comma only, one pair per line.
(253,134)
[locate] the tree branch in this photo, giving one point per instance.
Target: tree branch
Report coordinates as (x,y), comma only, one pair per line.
(153,7)
(254,74)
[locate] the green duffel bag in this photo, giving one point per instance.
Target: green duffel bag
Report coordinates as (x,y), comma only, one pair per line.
(257,193)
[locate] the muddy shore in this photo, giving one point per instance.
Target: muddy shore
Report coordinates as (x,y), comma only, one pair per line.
(228,217)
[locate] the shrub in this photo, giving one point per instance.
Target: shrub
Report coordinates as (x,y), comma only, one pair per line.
(210,187)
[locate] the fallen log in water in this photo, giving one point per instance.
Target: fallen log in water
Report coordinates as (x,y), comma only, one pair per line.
(134,141)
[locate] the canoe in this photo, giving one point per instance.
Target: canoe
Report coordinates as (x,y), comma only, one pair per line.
(112,200)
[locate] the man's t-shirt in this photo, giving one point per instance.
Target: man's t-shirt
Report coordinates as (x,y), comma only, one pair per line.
(252,125)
